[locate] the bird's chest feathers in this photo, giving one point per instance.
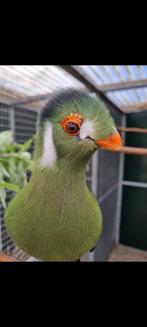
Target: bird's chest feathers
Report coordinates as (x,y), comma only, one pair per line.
(60,199)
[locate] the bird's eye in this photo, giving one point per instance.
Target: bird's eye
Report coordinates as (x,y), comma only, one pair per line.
(72,128)
(72,123)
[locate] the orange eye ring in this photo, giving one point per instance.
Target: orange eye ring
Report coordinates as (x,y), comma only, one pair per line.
(72,123)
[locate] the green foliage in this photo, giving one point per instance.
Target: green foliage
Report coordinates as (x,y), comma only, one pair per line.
(15,161)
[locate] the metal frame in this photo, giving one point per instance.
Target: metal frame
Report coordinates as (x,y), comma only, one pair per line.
(135,107)
(134,184)
(30,99)
(107,193)
(120,187)
(123,85)
(12,121)
(122,182)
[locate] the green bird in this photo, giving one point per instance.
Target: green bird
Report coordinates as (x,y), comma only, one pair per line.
(55,217)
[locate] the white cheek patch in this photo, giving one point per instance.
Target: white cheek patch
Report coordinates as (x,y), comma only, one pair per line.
(87,129)
(49,156)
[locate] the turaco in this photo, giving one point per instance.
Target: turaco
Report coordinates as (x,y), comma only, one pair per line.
(55,217)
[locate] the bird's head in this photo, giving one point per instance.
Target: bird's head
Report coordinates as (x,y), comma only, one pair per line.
(72,126)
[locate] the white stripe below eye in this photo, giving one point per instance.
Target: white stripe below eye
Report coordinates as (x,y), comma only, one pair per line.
(87,129)
(49,156)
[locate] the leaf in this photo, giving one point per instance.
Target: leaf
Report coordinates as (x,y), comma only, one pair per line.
(12,170)
(29,165)
(9,186)
(23,155)
(17,155)
(5,139)
(4,171)
(11,148)
(15,161)
(26,145)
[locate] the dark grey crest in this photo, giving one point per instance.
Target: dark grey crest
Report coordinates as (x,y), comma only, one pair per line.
(59,99)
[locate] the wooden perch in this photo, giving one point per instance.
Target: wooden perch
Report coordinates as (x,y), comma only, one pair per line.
(6,258)
(133,150)
(132,129)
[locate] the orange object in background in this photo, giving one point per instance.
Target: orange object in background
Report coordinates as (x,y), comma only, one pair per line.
(6,258)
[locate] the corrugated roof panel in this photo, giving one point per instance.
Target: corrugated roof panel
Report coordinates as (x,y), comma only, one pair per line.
(135,74)
(116,99)
(103,75)
(131,96)
(29,80)
(90,72)
(35,80)
(122,72)
(114,77)
(143,71)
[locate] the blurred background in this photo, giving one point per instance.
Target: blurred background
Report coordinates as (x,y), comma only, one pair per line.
(119,180)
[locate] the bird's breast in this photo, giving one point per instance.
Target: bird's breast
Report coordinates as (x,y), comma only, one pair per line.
(54,224)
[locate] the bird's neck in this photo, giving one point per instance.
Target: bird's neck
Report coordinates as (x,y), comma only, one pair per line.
(64,176)
(67,170)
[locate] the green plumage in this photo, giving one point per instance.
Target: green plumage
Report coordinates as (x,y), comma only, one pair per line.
(56,217)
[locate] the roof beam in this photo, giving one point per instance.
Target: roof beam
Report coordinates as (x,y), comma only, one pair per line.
(31,99)
(135,107)
(84,78)
(123,85)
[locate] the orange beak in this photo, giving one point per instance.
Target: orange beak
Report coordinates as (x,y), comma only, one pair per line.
(112,143)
